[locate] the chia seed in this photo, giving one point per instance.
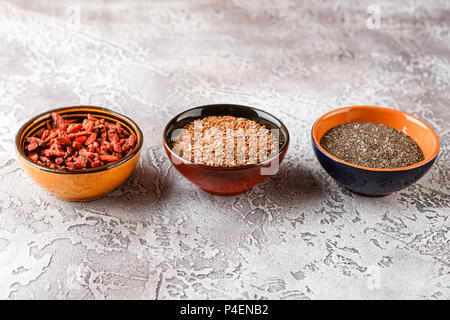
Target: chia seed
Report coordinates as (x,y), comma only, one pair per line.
(371,145)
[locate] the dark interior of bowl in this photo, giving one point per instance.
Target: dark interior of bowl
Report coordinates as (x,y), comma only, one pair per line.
(38,124)
(259,116)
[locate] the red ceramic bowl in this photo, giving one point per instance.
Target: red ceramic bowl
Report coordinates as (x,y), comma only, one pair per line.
(226,180)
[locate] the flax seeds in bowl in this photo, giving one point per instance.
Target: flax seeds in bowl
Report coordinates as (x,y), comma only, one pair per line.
(226,149)
(225,141)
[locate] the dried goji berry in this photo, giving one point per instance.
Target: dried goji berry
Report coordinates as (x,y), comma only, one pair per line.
(58,121)
(86,153)
(108,158)
(63,141)
(116,147)
(74,127)
(34,157)
(81,162)
(91,139)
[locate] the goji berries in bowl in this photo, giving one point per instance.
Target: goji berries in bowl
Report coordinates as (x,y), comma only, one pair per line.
(79,153)
(226,149)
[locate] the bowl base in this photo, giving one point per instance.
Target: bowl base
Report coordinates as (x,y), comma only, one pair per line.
(369,195)
(223,193)
(80,199)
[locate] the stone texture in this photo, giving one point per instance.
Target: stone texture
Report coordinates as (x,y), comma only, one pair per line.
(299,235)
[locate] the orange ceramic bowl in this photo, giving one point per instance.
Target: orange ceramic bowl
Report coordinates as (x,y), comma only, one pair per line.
(372,181)
(79,185)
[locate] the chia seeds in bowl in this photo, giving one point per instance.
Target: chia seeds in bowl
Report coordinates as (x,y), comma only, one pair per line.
(374,151)
(372,145)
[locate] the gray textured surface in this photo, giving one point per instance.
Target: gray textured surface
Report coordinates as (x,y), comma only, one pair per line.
(298,235)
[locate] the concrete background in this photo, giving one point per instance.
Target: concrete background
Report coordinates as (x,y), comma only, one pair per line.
(298,235)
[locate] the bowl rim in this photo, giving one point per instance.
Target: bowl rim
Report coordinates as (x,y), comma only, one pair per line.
(24,157)
(259,164)
(384,109)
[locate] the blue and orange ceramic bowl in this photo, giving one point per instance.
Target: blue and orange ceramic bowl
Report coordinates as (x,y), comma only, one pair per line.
(372,181)
(78,185)
(226,181)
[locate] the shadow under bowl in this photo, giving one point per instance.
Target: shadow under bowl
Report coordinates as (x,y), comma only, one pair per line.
(226,180)
(85,184)
(374,182)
